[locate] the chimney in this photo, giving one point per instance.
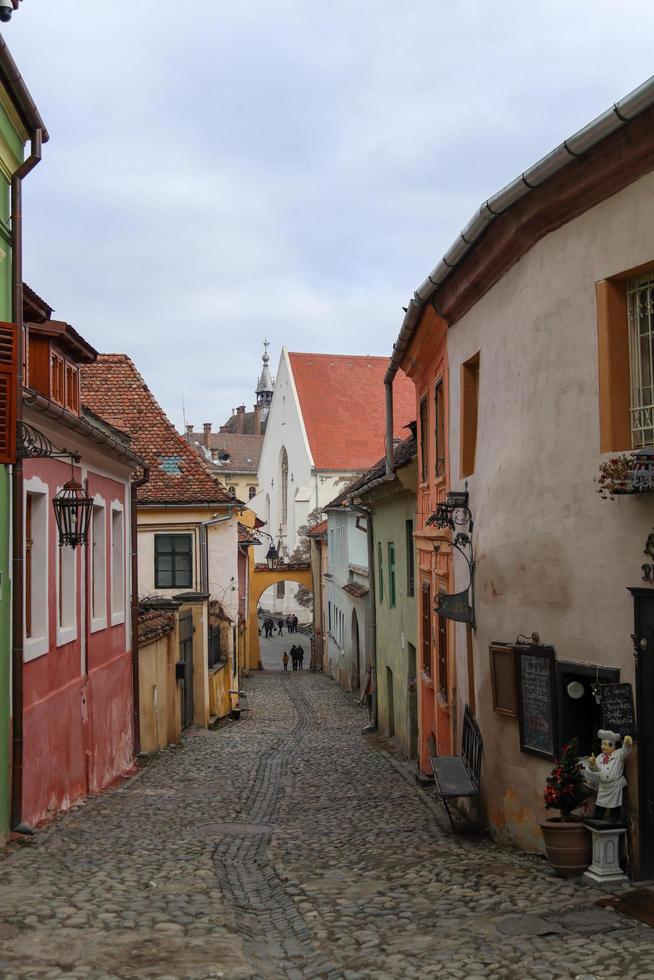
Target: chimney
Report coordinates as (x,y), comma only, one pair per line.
(189,432)
(240,420)
(207,435)
(257,420)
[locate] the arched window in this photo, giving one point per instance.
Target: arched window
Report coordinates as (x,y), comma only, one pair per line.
(252,492)
(284,486)
(232,491)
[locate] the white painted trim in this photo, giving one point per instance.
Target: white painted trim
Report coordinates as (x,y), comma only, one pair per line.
(66,634)
(116,617)
(98,622)
(37,646)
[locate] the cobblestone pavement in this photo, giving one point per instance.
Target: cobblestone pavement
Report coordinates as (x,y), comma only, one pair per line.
(287,845)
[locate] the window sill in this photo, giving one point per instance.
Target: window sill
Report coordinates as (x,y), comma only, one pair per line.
(34,647)
(65,635)
(98,624)
(118,618)
(218,667)
(427,680)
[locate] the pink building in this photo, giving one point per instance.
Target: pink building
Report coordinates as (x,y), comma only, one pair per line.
(77,717)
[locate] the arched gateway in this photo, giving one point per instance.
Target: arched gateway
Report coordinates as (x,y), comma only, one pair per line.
(262,578)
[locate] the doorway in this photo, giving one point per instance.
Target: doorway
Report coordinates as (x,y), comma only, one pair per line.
(644,647)
(186,657)
(413,703)
(390,702)
(356,653)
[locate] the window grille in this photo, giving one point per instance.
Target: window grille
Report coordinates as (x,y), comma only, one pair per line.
(640,306)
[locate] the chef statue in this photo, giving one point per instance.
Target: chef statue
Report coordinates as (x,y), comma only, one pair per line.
(609,767)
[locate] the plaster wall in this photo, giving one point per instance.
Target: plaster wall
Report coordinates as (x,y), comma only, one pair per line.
(159,695)
(552,556)
(396,626)
(348,562)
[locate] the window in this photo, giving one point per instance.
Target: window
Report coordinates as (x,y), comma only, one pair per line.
(391,574)
(72,388)
(232,491)
(173,561)
(284,469)
(442,657)
(640,310)
(216,654)
(57,378)
(469,413)
(424,441)
(252,492)
(439,429)
(410,560)
(380,572)
(36,603)
(117,565)
(329,614)
(99,566)
(281,590)
(66,595)
(426,627)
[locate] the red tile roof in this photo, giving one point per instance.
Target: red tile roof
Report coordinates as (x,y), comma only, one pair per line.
(244,451)
(114,389)
(318,530)
(343,403)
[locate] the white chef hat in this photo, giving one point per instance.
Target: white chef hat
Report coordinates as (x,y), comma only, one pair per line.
(606,736)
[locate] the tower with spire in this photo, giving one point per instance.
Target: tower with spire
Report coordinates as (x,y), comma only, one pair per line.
(265,385)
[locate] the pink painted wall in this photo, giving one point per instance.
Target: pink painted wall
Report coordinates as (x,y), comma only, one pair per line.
(77,716)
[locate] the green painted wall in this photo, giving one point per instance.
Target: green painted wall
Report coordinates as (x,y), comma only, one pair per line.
(11,152)
(392,506)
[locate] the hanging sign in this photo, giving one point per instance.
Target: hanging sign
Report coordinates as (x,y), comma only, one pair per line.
(456,606)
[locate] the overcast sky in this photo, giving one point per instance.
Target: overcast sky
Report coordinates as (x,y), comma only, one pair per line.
(220,172)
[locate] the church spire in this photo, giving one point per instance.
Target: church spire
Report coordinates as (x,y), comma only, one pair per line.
(265,385)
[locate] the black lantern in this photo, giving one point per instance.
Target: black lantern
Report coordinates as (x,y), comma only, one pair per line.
(272,558)
(73,509)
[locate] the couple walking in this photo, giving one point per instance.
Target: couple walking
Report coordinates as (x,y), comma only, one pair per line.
(297,656)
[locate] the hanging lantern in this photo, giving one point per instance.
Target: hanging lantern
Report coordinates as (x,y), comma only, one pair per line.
(272,558)
(73,509)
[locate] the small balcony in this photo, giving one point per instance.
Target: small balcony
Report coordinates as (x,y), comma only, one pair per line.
(627,473)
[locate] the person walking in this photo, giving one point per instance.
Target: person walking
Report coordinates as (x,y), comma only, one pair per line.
(295,622)
(280,626)
(294,656)
(285,660)
(289,624)
(300,656)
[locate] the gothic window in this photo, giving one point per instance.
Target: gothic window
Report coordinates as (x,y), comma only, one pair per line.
(284,486)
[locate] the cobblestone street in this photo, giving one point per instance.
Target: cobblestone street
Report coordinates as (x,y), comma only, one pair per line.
(287,845)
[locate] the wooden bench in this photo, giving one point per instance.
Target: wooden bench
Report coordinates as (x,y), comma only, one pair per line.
(458,775)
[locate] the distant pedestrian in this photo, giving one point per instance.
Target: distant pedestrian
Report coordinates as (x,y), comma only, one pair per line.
(289,624)
(294,656)
(295,622)
(300,656)
(285,660)
(280,627)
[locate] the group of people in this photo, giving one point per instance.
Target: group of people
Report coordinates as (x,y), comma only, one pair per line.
(291,623)
(297,657)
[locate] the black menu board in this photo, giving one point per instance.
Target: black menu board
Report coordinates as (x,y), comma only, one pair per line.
(536,700)
(618,709)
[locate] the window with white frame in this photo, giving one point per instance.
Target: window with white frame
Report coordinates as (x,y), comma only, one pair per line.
(66,595)
(640,311)
(98,566)
(36,603)
(117,564)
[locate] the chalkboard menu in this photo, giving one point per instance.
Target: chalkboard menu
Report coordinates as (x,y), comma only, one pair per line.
(618,709)
(536,700)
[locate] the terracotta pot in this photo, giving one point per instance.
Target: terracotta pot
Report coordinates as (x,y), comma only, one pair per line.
(568,844)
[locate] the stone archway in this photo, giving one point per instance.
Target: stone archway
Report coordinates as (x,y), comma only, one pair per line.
(261,579)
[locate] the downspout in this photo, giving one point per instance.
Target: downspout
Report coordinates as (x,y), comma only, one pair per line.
(136,711)
(18,625)
(373,607)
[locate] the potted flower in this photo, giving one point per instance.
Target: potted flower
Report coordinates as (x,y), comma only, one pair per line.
(567,841)
(616,476)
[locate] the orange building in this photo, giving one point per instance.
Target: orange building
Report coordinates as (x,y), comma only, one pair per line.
(424,361)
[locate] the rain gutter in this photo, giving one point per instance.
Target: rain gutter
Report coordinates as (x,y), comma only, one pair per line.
(136,695)
(581,142)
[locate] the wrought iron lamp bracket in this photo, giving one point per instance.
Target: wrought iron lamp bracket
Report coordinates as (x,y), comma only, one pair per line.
(32,444)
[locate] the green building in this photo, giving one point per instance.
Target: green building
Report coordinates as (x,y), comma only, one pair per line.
(20,126)
(392,504)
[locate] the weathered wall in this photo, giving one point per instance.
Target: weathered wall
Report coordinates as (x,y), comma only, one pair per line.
(551,555)
(159,697)
(348,639)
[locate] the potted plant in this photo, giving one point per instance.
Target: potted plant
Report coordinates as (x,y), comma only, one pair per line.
(567,841)
(616,476)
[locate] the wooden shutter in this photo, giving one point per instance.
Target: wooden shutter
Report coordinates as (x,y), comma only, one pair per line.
(8,379)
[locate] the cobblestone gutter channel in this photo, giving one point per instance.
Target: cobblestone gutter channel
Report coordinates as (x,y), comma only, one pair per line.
(263,910)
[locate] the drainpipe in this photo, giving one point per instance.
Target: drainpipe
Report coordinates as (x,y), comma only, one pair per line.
(136,712)
(17,487)
(390,462)
(373,606)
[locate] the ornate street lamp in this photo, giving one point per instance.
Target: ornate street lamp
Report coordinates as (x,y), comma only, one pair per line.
(272,558)
(73,509)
